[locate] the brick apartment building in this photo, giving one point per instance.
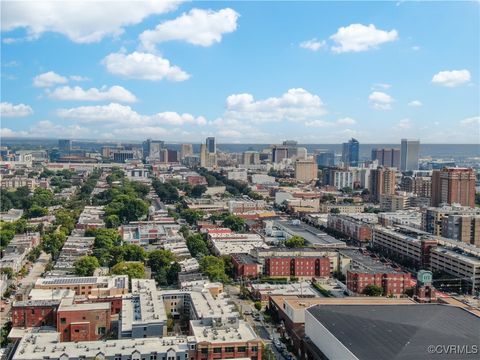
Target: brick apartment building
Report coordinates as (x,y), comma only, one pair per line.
(83,322)
(454,186)
(355,228)
(245,265)
(303,266)
(34,313)
(394,283)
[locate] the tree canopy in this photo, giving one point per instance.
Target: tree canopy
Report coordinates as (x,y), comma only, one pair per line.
(86,265)
(295,242)
(134,270)
(373,290)
(214,268)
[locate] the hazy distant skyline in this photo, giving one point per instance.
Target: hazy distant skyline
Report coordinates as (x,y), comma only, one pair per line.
(253,72)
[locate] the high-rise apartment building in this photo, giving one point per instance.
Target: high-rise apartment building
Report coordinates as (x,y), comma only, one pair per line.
(382,182)
(350,153)
(409,154)
(453,186)
(211,145)
(207,159)
(464,228)
(186,150)
(387,157)
(419,185)
(305,170)
(251,158)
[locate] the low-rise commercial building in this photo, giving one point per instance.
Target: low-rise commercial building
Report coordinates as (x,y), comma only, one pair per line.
(100,286)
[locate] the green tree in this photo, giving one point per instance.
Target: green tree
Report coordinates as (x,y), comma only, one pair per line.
(295,242)
(37,211)
(132,252)
(335,211)
(6,235)
(198,191)
(172,273)
(235,223)
(258,305)
(134,270)
(159,259)
(373,290)
(7,271)
(112,221)
(214,268)
(197,245)
(106,238)
(52,243)
(86,265)
(192,216)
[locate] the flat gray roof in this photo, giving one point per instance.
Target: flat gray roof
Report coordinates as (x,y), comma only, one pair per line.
(399,332)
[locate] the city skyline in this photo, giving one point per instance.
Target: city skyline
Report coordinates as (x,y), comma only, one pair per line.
(318,73)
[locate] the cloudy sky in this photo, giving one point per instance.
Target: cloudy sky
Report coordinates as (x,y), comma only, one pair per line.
(257,72)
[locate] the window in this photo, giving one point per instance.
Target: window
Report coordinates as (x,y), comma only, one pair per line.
(254,348)
(205,351)
(33,311)
(229,349)
(77,330)
(101,330)
(63,320)
(242,349)
(217,350)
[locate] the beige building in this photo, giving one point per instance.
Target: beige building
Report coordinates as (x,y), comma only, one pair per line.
(306,170)
(186,150)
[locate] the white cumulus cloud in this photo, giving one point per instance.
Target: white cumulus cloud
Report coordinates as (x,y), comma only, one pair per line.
(474,120)
(415,103)
(143,66)
(15,110)
(451,78)
(198,27)
(380,100)
(403,124)
(346,121)
(115,114)
(294,105)
(49,79)
(80,21)
(114,93)
(358,37)
(312,44)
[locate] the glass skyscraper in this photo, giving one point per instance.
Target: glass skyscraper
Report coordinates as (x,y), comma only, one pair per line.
(409,154)
(350,152)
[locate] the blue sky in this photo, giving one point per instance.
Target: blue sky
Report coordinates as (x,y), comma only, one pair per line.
(259,72)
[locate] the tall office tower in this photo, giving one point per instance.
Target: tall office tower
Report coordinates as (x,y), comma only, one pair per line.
(251,158)
(453,186)
(306,170)
(387,157)
(172,156)
(186,150)
(279,153)
(325,157)
(65,145)
(301,153)
(350,151)
(382,182)
(151,149)
(211,145)
(409,154)
(203,155)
